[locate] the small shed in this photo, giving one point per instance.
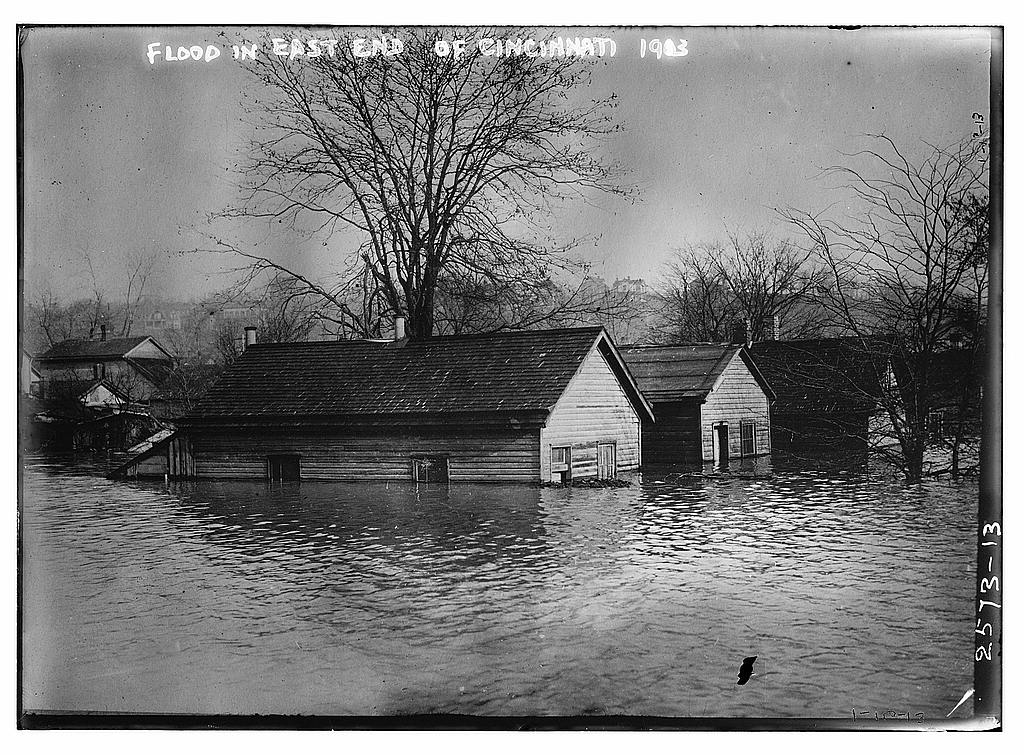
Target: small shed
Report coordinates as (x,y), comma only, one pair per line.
(546,405)
(710,401)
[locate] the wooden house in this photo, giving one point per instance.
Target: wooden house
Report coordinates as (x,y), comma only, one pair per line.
(523,407)
(710,401)
(828,394)
(133,367)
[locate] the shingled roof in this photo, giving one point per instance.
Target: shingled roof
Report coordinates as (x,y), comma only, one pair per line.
(520,373)
(820,374)
(684,371)
(78,348)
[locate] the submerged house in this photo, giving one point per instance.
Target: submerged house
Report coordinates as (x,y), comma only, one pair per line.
(531,406)
(132,367)
(829,394)
(710,401)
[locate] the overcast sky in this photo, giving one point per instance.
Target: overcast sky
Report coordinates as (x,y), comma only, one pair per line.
(122,156)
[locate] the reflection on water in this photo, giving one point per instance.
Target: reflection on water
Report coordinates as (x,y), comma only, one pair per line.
(230,597)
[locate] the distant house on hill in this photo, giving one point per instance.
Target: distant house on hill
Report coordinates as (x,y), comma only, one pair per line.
(828,395)
(711,402)
(132,367)
(525,407)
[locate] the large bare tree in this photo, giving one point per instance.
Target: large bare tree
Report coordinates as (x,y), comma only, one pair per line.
(443,168)
(750,279)
(904,263)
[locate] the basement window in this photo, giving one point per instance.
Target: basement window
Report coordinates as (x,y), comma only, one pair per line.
(283,468)
(561,464)
(430,468)
(748,444)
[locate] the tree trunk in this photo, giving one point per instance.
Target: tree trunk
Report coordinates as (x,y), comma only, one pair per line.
(914,462)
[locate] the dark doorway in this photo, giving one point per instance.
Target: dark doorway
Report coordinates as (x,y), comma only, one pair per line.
(722,439)
(283,468)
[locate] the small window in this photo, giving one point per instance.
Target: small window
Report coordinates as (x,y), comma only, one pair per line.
(430,469)
(561,463)
(283,468)
(99,370)
(748,435)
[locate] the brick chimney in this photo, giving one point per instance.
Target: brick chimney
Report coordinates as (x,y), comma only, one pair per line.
(776,330)
(250,335)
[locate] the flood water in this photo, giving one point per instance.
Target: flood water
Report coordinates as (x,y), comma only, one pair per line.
(853,591)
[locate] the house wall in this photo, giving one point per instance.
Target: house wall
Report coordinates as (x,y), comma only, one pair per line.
(474,453)
(674,436)
(594,409)
(737,398)
(118,373)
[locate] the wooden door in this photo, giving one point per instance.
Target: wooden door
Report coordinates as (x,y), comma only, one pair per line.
(606,468)
(722,438)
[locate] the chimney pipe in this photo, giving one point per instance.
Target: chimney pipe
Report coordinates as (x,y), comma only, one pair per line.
(250,335)
(399,327)
(103,331)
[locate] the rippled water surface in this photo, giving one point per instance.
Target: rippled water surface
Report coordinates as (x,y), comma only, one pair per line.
(230,597)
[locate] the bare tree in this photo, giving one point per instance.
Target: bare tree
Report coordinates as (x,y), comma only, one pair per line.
(50,320)
(139,266)
(750,279)
(911,251)
(483,304)
(55,320)
(696,304)
(101,309)
(445,168)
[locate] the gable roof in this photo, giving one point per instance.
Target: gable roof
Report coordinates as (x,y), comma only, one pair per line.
(76,349)
(518,374)
(685,371)
(820,374)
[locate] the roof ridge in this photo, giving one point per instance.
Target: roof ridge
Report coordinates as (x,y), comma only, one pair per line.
(435,339)
(680,345)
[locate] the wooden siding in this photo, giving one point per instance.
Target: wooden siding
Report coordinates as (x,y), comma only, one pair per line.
(736,398)
(474,453)
(594,409)
(172,457)
(674,436)
(120,374)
